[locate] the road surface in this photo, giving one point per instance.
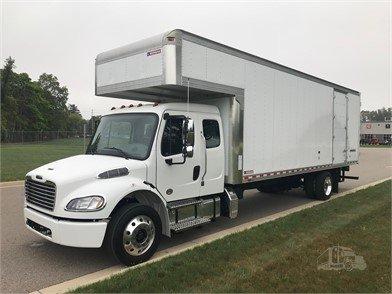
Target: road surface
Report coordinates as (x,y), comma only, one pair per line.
(30,263)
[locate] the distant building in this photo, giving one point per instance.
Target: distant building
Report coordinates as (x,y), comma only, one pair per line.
(376,132)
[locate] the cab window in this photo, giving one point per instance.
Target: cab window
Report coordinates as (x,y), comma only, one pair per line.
(211,133)
(172,136)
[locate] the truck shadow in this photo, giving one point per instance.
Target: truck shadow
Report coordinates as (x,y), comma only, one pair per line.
(255,205)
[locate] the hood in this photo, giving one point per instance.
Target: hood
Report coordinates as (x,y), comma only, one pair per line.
(79,168)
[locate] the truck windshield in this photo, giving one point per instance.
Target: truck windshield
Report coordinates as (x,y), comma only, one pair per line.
(127,135)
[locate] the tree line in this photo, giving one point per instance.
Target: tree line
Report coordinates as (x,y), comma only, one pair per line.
(41,105)
(379,115)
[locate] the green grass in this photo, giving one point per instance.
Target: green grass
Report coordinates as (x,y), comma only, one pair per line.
(280,256)
(18,159)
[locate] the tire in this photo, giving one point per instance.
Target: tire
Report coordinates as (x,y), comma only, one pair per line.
(133,233)
(323,186)
(309,185)
(335,182)
(335,186)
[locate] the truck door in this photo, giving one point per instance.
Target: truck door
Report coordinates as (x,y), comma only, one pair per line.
(213,167)
(353,125)
(180,180)
(339,128)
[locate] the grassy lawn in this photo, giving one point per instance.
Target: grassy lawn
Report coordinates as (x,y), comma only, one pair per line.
(280,256)
(18,159)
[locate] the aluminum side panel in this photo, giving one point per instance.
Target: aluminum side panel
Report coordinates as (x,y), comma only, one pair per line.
(287,121)
(131,68)
(203,63)
(232,122)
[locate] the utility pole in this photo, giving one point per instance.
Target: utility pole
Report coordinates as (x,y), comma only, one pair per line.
(92,121)
(84,137)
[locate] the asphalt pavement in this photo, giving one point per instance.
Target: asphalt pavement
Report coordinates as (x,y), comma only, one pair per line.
(29,263)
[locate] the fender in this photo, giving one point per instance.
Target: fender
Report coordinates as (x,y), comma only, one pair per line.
(114,190)
(149,196)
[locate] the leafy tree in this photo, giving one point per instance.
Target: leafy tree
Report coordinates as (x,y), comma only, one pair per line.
(6,75)
(75,122)
(35,105)
(72,108)
(7,101)
(378,115)
(75,119)
(57,97)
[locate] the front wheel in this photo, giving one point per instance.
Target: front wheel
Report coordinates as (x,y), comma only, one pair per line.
(134,233)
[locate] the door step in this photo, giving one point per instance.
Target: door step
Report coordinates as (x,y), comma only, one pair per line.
(183,225)
(182,203)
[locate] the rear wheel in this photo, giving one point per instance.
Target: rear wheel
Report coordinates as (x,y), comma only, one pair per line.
(335,182)
(309,185)
(323,186)
(134,233)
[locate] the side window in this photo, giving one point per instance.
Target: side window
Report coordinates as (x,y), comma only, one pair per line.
(211,133)
(172,136)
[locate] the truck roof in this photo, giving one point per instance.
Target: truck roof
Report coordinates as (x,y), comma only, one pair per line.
(178,34)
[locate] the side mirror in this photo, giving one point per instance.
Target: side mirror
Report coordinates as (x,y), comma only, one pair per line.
(190,133)
(188,141)
(188,138)
(189,151)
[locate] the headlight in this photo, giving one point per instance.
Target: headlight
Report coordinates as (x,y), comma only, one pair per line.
(89,203)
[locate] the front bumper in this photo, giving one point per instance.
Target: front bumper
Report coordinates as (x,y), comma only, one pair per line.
(88,234)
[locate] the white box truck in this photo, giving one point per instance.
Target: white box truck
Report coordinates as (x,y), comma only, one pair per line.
(219,121)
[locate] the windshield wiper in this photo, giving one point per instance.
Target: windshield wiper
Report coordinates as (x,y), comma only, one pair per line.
(124,154)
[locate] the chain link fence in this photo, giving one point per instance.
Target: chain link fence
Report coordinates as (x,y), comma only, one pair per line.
(38,136)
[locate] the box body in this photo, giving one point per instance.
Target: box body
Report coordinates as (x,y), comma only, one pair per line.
(277,121)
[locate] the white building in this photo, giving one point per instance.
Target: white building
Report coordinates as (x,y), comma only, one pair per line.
(376,132)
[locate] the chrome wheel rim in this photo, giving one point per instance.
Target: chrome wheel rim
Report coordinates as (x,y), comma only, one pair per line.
(138,236)
(327,186)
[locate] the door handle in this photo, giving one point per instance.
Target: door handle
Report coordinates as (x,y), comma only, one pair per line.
(196,172)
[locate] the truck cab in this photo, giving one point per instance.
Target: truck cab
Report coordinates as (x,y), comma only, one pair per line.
(164,160)
(175,145)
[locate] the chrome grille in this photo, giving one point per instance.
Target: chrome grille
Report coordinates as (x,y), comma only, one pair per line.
(40,194)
